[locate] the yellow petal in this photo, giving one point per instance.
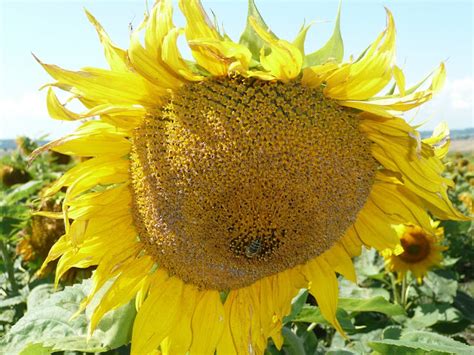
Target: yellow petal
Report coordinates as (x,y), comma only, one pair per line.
(240,321)
(392,105)
(323,286)
(284,60)
(116,57)
(180,341)
(207,323)
(107,86)
(399,204)
(340,261)
(421,176)
(198,26)
(235,55)
(351,242)
(106,174)
(94,145)
(422,170)
(123,289)
(374,229)
(158,315)
(439,140)
(158,25)
(57,110)
(172,57)
(98,249)
(117,114)
(226,343)
(111,264)
(315,76)
(118,164)
(146,64)
(112,203)
(364,78)
(61,246)
(271,324)
(399,79)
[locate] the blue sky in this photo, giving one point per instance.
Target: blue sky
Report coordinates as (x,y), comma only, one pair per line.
(58,32)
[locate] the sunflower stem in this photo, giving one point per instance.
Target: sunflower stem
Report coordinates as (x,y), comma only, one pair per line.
(396,294)
(403,292)
(8,267)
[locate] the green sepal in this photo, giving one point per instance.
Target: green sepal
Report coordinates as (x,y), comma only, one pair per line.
(333,50)
(249,37)
(300,39)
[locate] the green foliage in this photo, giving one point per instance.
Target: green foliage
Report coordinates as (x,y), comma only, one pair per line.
(311,314)
(18,199)
(460,235)
(415,343)
(50,323)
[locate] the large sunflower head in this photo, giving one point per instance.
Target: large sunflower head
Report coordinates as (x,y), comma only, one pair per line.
(253,170)
(421,251)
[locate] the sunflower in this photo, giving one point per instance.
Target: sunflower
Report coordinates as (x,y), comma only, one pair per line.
(220,186)
(41,233)
(11,175)
(421,251)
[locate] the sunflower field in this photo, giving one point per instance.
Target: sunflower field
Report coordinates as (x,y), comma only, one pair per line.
(255,199)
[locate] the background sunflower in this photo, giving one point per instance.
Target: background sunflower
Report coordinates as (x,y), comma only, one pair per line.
(421,251)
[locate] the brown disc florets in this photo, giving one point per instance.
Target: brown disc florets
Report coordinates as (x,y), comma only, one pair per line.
(416,245)
(236,179)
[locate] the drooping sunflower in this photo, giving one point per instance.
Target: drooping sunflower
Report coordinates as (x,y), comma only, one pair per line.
(422,250)
(220,186)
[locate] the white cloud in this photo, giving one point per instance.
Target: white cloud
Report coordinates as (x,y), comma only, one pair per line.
(461,93)
(454,105)
(27,114)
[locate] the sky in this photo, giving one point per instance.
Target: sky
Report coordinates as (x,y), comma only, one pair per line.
(58,32)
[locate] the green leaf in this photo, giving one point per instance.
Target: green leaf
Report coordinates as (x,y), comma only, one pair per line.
(292,344)
(48,322)
(465,304)
(429,314)
(392,332)
(368,263)
(12,301)
(448,261)
(333,50)
(12,211)
(115,329)
(374,304)
(310,314)
(440,288)
(23,191)
(249,37)
(37,349)
(339,352)
(7,316)
(359,341)
(346,306)
(349,289)
(308,337)
(296,305)
(414,343)
(345,320)
(38,295)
